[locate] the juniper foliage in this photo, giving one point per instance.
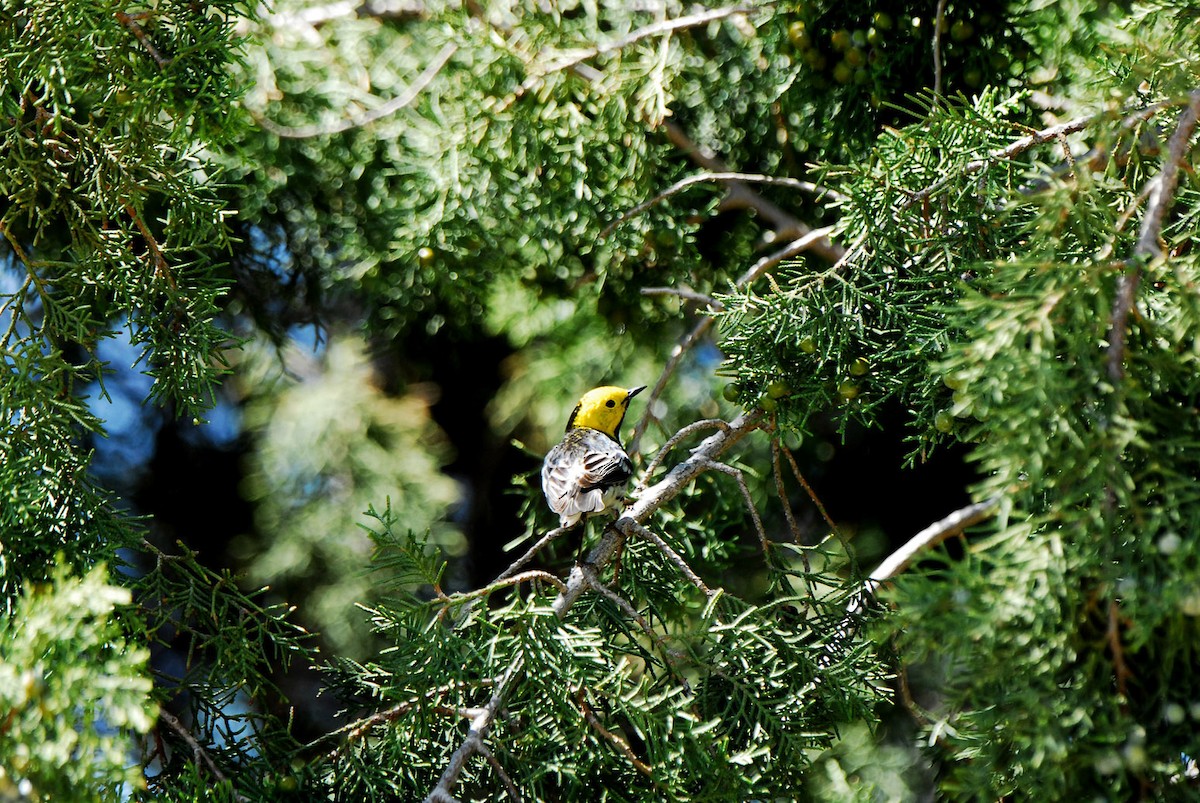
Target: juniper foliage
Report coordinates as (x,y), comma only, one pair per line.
(1011,195)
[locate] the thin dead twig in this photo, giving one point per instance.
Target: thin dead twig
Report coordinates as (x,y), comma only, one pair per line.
(673,441)
(200,756)
(938,19)
(816,500)
(130,21)
(1112,634)
(725,468)
(612,738)
(673,556)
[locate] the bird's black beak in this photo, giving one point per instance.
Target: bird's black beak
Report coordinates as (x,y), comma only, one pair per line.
(634,392)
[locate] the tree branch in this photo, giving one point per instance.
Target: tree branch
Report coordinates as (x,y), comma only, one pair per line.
(938,18)
(610,737)
(931,536)
(722,178)
(577,582)
(812,239)
(316,16)
(200,756)
(686,294)
(695,426)
(577,58)
(897,562)
(140,33)
(1019,146)
(390,107)
(1162,194)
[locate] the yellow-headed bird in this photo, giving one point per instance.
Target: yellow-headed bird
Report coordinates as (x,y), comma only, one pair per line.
(586,472)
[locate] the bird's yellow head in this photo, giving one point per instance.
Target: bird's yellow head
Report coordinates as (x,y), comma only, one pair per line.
(603,409)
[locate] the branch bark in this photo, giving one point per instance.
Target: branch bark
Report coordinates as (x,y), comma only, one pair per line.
(1162,194)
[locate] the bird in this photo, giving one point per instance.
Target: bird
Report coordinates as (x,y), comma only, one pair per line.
(585,473)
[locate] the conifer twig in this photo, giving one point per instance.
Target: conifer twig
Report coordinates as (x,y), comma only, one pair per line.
(1019,146)
(626,607)
(660,28)
(200,756)
(897,562)
(722,178)
(809,240)
(358,121)
(682,475)
(1162,194)
(612,738)
(673,441)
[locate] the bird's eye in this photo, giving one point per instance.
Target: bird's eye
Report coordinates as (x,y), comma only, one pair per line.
(610,403)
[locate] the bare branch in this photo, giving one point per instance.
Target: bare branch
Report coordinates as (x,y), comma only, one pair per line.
(316,16)
(811,493)
(139,32)
(938,19)
(1162,194)
(356,730)
(673,441)
(610,737)
(473,743)
(625,605)
(1019,146)
(510,580)
(1112,634)
(509,786)
(672,555)
(812,240)
(724,468)
(686,294)
(724,178)
(156,254)
(532,551)
(787,226)
(578,57)
(931,536)
(200,756)
(783,498)
(897,562)
(357,121)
